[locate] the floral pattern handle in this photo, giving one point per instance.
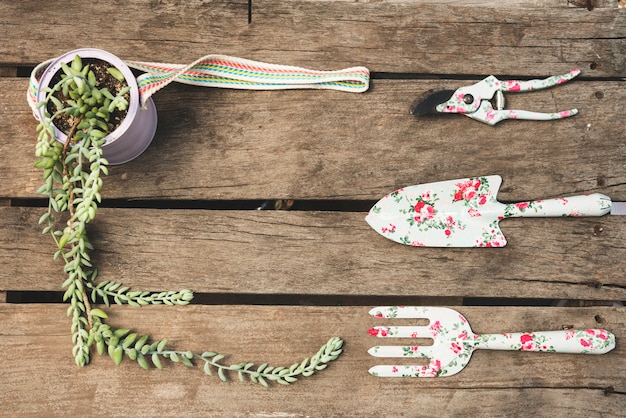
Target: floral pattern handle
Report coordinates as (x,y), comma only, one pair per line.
(585,341)
(530,85)
(595,204)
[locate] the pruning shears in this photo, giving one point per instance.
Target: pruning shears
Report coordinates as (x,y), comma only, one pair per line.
(475,101)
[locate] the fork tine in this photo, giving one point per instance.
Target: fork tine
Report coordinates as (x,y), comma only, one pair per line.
(432,370)
(409,351)
(398,312)
(382,331)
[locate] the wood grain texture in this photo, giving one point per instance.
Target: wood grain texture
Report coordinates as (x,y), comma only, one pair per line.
(224,144)
(318,253)
(408,36)
(499,383)
(216,147)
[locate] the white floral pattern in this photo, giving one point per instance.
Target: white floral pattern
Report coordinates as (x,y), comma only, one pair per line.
(465,212)
(481,93)
(454,341)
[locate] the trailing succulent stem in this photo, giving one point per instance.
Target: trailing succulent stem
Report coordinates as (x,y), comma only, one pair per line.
(72,174)
(121,342)
(283,375)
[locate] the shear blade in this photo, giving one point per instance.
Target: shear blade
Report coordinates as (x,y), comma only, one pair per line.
(428,102)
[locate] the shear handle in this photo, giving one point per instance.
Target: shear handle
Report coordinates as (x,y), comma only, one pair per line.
(537,84)
(487,114)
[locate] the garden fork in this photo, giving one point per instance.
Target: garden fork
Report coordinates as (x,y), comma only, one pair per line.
(454,342)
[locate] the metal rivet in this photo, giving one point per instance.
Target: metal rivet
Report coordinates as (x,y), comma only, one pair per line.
(468,99)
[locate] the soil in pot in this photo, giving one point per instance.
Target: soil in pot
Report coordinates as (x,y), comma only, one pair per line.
(64,122)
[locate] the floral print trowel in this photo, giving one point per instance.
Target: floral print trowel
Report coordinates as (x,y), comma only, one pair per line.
(466,213)
(454,342)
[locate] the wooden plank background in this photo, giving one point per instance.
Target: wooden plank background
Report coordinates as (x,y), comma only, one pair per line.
(224,144)
(493,383)
(182,214)
(333,253)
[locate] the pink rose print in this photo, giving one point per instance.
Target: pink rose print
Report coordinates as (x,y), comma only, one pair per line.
(456,348)
(429,371)
(585,342)
(450,225)
(602,335)
(521,205)
(378,331)
(561,80)
(527,342)
(435,326)
(482,200)
(394,369)
(414,348)
(467,190)
(512,85)
(473,213)
(462,336)
(494,243)
(423,211)
(391,228)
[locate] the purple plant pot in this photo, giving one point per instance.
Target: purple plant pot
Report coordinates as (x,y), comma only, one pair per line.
(137,130)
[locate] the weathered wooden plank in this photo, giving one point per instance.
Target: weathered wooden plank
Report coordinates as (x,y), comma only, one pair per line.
(448,38)
(426,37)
(224,144)
(37,354)
(318,253)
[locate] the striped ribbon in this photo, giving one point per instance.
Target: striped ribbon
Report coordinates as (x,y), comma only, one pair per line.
(231,72)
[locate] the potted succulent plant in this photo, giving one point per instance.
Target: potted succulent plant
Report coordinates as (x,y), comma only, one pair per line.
(115,103)
(89,109)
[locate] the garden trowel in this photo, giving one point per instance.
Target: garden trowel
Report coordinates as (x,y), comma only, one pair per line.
(466,213)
